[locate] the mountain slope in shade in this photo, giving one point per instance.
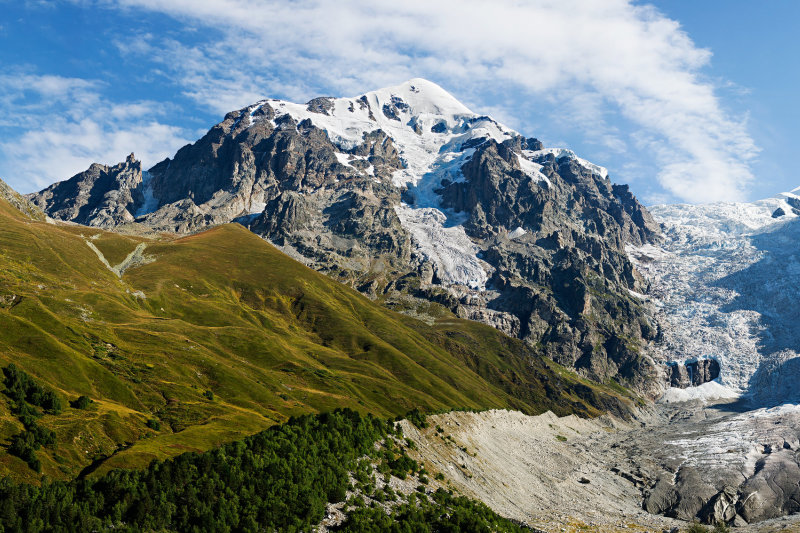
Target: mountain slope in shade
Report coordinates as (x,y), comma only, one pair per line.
(99,196)
(408,196)
(217,335)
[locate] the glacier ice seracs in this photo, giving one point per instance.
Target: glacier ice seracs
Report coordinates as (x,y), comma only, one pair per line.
(724,283)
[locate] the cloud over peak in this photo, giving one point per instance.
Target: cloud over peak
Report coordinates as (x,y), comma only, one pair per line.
(62,125)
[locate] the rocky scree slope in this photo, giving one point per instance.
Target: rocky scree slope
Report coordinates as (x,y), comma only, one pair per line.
(408,196)
(674,464)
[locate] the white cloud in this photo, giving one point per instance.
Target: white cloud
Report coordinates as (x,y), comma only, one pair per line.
(595,60)
(65,124)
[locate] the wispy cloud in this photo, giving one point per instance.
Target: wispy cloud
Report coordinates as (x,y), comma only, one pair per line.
(586,58)
(64,124)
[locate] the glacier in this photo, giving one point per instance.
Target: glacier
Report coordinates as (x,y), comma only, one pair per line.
(724,285)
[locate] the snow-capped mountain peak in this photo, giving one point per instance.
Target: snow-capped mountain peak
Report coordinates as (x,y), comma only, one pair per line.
(404,193)
(430,128)
(434,135)
(420,117)
(422,97)
(427,124)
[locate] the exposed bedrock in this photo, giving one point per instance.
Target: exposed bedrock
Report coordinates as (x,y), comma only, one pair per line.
(102,195)
(693,373)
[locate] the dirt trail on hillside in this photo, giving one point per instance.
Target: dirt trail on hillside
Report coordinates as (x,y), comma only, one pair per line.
(133,259)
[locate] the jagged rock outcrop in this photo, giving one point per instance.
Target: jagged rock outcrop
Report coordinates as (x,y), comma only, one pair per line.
(693,373)
(408,196)
(100,196)
(566,277)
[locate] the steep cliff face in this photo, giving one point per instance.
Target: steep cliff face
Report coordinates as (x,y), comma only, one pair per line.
(554,229)
(407,195)
(692,373)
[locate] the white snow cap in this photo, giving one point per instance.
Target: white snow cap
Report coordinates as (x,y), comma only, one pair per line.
(423,97)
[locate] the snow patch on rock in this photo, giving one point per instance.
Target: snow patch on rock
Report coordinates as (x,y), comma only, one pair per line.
(150,203)
(517,233)
(532,169)
(560,153)
(344,159)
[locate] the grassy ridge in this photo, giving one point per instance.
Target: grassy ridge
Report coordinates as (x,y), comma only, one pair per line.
(220,335)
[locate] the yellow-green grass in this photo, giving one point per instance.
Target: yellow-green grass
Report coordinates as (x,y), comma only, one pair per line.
(224,311)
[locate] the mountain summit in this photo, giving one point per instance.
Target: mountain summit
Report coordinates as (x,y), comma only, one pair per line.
(413,199)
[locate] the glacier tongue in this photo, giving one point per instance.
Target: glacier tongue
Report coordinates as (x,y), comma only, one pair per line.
(448,248)
(725,284)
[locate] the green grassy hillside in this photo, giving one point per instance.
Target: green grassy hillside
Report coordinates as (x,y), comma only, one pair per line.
(211,337)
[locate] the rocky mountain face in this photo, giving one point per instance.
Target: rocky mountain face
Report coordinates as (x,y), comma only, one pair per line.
(100,196)
(693,373)
(411,198)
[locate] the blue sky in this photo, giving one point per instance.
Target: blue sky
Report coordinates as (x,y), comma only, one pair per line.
(756,64)
(684,100)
